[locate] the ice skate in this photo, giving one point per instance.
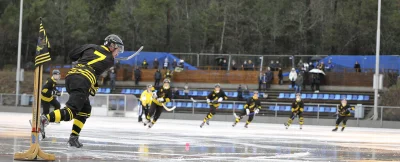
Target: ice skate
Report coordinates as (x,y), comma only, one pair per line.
(145,122)
(151,125)
(202,124)
(286,125)
(234,124)
(246,125)
(301,127)
(207,122)
(343,129)
(44,122)
(74,141)
(334,130)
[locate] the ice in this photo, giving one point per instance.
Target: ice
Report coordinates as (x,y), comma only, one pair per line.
(124,139)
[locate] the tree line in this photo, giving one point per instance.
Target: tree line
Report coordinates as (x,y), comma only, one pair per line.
(268,27)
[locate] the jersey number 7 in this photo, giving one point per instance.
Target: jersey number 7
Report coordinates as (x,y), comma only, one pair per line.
(101,57)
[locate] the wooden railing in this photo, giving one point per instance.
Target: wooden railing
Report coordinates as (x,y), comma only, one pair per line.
(239,77)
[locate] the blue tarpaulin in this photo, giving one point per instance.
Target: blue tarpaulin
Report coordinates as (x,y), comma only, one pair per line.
(150,56)
(366,62)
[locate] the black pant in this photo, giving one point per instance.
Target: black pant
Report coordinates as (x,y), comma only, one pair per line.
(293,84)
(157,82)
(78,89)
(46,105)
(244,113)
(143,110)
(316,85)
(137,81)
(260,84)
(155,111)
(293,115)
(341,119)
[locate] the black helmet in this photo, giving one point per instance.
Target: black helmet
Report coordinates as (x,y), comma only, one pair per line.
(116,40)
(56,72)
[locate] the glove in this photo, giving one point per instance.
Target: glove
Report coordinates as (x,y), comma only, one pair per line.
(160,99)
(154,94)
(220,99)
(257,111)
(208,100)
(247,111)
(93,89)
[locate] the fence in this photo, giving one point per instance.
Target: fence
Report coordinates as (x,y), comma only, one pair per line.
(126,105)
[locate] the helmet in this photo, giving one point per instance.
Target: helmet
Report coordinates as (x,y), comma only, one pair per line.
(255,92)
(217,85)
(149,86)
(166,81)
(116,40)
(56,72)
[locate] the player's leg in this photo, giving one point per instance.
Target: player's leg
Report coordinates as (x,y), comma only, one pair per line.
(157,115)
(249,120)
(301,120)
(141,107)
(344,122)
(152,110)
(77,87)
(240,117)
(209,115)
(55,104)
(338,121)
(79,122)
(46,107)
(287,124)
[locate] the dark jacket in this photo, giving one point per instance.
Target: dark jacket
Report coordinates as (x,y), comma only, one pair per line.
(280,74)
(156,64)
(174,64)
(138,73)
(299,80)
(157,75)
(270,76)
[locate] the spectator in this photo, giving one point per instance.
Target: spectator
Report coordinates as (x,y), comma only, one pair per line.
(315,82)
(300,65)
(137,74)
(144,64)
(176,93)
(166,63)
(321,66)
(270,78)
(224,65)
(117,66)
(357,67)
(182,64)
(174,64)
(244,66)
(234,66)
(157,78)
(112,79)
(311,66)
(250,65)
(306,67)
(156,63)
(272,65)
(246,93)
(277,65)
(168,75)
(280,75)
(240,93)
(293,77)
(262,81)
(186,90)
(329,66)
(299,82)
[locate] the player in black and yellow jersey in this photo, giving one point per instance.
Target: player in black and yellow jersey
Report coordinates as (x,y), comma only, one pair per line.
(161,95)
(297,110)
(145,100)
(81,81)
(344,113)
(48,92)
(251,108)
(214,99)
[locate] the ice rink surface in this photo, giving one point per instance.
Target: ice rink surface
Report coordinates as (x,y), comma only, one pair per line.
(124,139)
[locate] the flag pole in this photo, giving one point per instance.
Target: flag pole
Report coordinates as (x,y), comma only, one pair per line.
(19,53)
(42,56)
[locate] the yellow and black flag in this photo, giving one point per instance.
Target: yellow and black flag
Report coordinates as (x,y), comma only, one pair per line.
(42,48)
